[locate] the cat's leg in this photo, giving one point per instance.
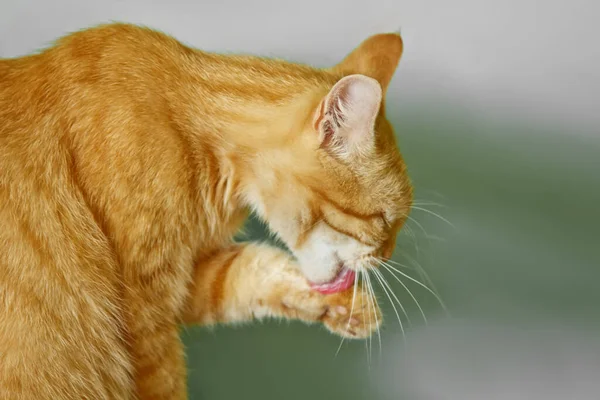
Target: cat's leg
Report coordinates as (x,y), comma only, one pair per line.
(249,281)
(61,332)
(44,356)
(156,348)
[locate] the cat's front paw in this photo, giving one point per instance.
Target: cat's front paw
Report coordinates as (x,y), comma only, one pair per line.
(356,318)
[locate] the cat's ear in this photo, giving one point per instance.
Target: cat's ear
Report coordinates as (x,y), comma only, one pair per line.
(345,118)
(377,57)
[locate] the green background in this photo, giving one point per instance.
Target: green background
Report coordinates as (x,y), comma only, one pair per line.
(518,269)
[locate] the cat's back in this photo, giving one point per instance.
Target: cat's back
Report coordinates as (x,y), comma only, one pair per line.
(44,95)
(29,119)
(84,58)
(58,275)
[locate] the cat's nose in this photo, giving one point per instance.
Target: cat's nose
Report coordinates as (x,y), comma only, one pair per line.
(388,249)
(387,253)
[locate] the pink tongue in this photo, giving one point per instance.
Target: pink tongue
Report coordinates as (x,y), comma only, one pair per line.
(343,280)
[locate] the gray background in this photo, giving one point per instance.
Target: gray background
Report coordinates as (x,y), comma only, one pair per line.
(496,109)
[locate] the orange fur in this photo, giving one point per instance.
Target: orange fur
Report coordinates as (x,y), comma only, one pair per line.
(127,163)
(253,281)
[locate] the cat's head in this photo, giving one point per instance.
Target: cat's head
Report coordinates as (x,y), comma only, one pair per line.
(337,192)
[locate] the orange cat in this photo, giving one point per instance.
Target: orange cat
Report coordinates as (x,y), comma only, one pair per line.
(128,161)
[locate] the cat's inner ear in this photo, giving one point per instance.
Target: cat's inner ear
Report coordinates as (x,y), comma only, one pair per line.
(345,118)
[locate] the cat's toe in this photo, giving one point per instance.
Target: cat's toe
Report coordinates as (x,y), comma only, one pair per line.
(356,319)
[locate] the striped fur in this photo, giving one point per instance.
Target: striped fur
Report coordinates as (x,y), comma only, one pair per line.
(128,161)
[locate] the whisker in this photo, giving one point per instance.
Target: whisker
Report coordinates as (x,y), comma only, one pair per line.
(418,225)
(410,293)
(351,311)
(425,234)
(436,238)
(401,265)
(417,267)
(368,297)
(375,305)
(379,278)
(420,270)
(362,290)
(391,269)
(394,295)
(435,194)
(434,214)
(429,203)
(410,233)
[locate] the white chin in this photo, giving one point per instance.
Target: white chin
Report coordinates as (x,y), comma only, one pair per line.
(316,272)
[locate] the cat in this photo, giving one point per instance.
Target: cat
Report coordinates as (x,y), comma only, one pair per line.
(128,161)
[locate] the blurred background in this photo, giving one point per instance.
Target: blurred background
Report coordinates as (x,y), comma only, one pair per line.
(496,108)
